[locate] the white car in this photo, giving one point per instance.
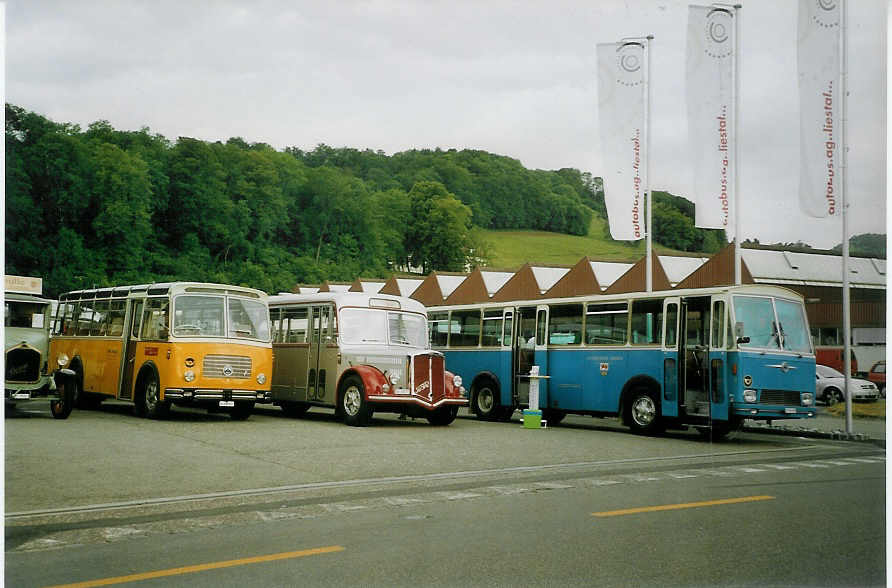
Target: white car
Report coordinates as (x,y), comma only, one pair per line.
(830,383)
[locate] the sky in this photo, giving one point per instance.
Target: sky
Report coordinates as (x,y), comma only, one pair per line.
(516,78)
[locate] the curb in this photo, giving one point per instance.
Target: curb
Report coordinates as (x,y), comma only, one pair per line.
(814,433)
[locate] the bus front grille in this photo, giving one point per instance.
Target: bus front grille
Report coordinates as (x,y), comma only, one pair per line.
(226,366)
(22,365)
(782,397)
(429,372)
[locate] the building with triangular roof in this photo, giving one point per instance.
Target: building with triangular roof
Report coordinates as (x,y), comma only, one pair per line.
(530,282)
(480,286)
(436,287)
(401,286)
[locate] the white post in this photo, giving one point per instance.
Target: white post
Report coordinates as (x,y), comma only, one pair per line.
(846,302)
(534,388)
(647,194)
(735,73)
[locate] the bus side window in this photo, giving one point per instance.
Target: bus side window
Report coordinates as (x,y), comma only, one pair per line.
(647,322)
(439,328)
(492,328)
(294,325)
(718,326)
(116,318)
(671,326)
(137,315)
(99,326)
(565,325)
(154,321)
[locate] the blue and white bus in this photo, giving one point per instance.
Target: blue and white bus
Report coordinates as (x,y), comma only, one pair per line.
(706,357)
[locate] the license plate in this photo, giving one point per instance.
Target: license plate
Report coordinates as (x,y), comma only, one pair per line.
(227,403)
(790,410)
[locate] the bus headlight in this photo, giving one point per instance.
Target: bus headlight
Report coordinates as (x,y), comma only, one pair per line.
(189,375)
(750,396)
(62,359)
(808,399)
(456,381)
(392,377)
(261,378)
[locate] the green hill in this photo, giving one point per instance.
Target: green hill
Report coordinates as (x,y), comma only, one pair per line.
(511,249)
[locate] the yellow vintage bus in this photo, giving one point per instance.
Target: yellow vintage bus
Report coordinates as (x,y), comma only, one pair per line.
(183,343)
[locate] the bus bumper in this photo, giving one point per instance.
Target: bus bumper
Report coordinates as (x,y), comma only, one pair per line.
(205,394)
(775,412)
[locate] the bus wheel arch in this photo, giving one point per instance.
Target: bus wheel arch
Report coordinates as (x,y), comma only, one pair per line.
(485,394)
(640,405)
(147,398)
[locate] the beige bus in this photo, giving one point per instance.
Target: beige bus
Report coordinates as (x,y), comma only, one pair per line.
(360,354)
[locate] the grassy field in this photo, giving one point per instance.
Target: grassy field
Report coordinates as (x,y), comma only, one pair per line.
(870,410)
(511,249)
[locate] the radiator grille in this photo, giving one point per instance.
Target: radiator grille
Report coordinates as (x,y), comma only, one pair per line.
(218,366)
(429,369)
(782,397)
(22,365)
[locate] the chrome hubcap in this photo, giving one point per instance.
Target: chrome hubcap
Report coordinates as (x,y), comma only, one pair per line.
(352,400)
(485,400)
(644,410)
(151,394)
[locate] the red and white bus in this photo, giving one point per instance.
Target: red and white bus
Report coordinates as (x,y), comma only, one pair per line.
(359,353)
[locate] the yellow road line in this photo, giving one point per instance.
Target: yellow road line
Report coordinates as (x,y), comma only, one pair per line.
(627,511)
(203,567)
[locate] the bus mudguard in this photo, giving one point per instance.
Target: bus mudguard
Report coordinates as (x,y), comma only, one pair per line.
(635,382)
(372,378)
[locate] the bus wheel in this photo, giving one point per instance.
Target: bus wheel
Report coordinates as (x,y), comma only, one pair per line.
(295,409)
(241,411)
(553,416)
(485,404)
(61,408)
(353,403)
(149,403)
(643,412)
(443,416)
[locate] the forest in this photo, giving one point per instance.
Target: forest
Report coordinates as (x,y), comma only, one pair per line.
(100,206)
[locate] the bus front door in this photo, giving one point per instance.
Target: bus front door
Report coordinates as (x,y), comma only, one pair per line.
(718,361)
(671,360)
(131,338)
(531,349)
(693,357)
(322,364)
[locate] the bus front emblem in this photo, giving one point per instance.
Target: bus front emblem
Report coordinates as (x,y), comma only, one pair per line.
(227,370)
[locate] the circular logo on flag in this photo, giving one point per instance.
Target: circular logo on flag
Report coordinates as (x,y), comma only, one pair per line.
(719,24)
(630,57)
(826,14)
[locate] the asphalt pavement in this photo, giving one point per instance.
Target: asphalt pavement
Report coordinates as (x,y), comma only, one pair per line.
(827,426)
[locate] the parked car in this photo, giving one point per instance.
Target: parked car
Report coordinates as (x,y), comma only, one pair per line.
(830,383)
(877,375)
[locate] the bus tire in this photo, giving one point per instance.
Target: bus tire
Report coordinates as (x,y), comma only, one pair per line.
(295,409)
(241,411)
(443,416)
(352,402)
(643,410)
(148,402)
(485,403)
(61,408)
(553,416)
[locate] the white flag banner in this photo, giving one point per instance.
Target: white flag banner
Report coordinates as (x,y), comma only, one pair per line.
(710,54)
(818,107)
(621,95)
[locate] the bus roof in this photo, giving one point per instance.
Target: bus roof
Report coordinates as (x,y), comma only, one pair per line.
(341,299)
(160,289)
(11,296)
(763,289)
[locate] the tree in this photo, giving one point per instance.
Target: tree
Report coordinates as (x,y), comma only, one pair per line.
(437,235)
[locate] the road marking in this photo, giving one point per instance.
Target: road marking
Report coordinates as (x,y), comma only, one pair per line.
(203,567)
(628,511)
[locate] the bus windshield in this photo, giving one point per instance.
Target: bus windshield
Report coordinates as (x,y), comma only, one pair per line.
(362,325)
(203,316)
(24,314)
(766,330)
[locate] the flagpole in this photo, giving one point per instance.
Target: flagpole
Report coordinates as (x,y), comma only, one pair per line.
(648,195)
(846,302)
(736,73)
